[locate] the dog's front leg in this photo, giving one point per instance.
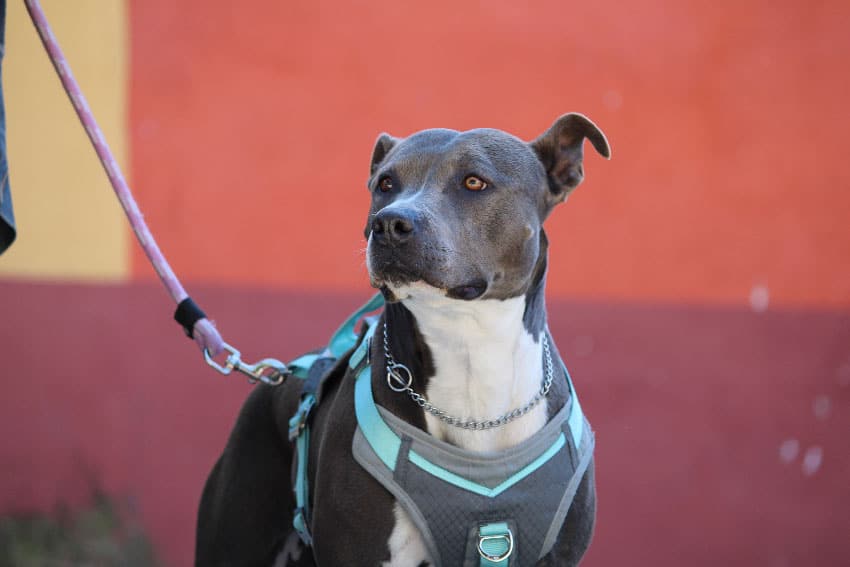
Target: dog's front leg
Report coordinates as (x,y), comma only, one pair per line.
(246,508)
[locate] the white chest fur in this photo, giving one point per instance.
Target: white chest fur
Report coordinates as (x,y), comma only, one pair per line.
(486,365)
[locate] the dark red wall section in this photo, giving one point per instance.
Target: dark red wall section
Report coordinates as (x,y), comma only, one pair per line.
(721,434)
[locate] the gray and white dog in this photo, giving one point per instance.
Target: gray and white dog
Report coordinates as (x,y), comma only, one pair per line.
(456,245)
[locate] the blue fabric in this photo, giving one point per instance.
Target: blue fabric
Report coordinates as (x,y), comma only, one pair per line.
(576,419)
(299,520)
(297,423)
(362,351)
(383,440)
(345,337)
(341,342)
(7,215)
(301,365)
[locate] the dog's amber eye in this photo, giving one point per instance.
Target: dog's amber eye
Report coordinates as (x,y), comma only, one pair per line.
(385,184)
(474,183)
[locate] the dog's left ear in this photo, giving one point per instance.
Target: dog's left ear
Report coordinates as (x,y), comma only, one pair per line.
(561,150)
(383,145)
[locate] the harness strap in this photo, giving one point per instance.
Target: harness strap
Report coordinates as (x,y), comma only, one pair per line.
(345,338)
(387,444)
(300,516)
(312,369)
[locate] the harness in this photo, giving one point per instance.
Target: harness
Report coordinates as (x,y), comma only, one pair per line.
(497,510)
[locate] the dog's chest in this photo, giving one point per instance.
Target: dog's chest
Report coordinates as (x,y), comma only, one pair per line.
(486,384)
(486,365)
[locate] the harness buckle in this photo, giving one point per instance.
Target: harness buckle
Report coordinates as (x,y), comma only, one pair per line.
(495,542)
(298,421)
(299,522)
(268,371)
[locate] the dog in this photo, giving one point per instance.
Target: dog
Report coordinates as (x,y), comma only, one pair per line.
(458,364)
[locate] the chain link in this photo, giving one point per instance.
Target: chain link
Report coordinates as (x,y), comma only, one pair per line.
(400,379)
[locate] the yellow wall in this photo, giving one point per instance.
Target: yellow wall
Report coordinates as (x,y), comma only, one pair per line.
(70,225)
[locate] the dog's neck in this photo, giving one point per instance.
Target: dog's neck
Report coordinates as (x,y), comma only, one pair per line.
(486,362)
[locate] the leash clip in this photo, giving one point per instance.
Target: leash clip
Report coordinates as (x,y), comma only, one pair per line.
(268,371)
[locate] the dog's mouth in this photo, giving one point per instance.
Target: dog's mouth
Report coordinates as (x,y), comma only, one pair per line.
(394,293)
(392,272)
(390,268)
(397,289)
(468,292)
(392,277)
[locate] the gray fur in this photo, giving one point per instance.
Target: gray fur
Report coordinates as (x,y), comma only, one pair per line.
(482,244)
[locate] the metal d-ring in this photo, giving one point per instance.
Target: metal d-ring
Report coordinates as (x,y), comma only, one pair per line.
(496,558)
(395,379)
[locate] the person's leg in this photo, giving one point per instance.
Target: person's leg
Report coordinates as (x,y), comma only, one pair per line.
(7,217)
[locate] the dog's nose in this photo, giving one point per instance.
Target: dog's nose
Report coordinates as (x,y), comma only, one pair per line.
(394,226)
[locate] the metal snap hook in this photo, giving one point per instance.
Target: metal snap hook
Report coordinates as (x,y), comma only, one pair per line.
(233,360)
(268,371)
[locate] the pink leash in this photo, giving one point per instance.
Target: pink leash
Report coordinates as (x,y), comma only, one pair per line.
(188,314)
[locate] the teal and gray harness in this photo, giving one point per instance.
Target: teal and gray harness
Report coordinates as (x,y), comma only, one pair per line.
(502,509)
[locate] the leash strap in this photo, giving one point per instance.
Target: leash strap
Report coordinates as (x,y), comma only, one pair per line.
(204,332)
(193,320)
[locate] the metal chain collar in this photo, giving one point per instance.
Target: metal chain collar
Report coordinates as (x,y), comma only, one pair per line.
(400,379)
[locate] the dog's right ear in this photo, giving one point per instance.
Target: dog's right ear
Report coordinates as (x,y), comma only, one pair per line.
(383,146)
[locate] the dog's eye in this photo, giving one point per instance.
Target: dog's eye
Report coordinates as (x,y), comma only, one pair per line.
(385,184)
(474,183)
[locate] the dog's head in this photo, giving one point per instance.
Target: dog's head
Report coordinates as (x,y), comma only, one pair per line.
(463,211)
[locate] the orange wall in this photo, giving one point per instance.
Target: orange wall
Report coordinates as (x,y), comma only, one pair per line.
(248,133)
(252,128)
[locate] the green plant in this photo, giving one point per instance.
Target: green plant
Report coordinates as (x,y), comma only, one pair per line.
(99,535)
